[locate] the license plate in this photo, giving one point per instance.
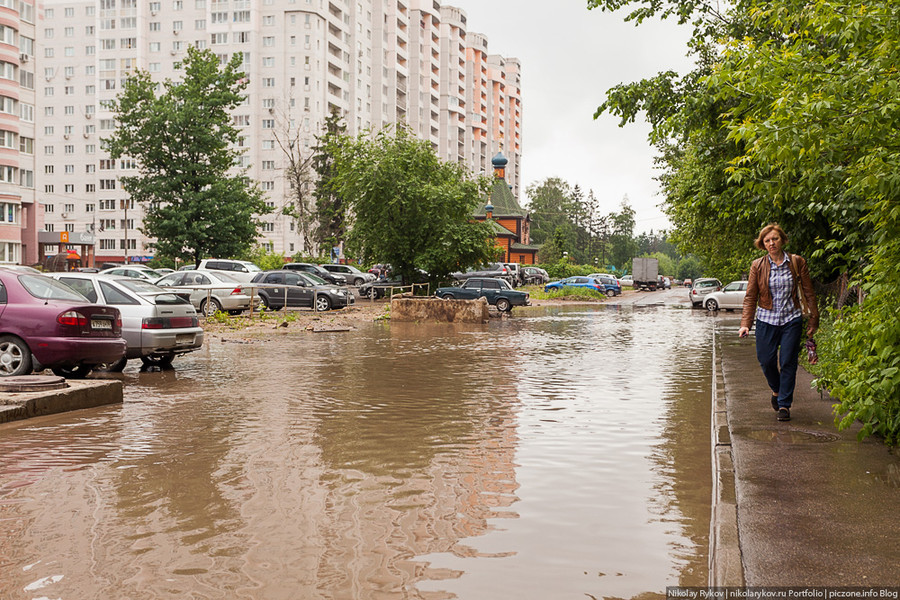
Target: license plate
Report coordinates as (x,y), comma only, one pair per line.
(101,324)
(182,339)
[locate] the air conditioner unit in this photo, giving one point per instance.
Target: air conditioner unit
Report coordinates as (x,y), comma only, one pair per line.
(86,135)
(153,13)
(65,215)
(173,52)
(89,116)
(24,57)
(271,111)
(176,31)
(66,136)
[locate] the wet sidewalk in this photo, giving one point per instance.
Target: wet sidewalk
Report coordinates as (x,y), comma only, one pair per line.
(814,506)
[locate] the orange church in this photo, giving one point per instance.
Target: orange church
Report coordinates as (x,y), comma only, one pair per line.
(510,221)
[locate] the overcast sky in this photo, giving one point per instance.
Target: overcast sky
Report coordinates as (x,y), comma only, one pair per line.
(570,56)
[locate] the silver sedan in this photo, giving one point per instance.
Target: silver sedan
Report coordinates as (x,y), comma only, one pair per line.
(212,291)
(157,324)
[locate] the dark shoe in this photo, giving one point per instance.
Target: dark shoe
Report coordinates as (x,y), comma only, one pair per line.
(784,414)
(775,402)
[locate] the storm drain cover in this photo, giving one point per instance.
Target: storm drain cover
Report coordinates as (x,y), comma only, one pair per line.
(792,436)
(32,383)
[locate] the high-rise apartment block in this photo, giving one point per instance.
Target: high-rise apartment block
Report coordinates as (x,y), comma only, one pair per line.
(377,62)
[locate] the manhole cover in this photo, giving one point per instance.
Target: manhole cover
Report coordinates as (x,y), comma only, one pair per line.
(792,436)
(32,383)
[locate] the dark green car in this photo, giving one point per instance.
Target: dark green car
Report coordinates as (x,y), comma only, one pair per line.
(498,292)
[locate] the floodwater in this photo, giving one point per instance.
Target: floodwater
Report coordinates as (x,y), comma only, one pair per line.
(562,453)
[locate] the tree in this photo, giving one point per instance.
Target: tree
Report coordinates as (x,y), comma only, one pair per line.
(185,149)
(411,209)
(298,197)
(331,209)
(623,246)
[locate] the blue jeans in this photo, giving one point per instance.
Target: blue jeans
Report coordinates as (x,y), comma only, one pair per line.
(780,369)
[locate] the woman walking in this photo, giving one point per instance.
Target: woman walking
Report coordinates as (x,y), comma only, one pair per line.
(779,292)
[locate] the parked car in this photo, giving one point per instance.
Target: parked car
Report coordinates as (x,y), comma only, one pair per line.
(45,324)
(332,278)
(298,288)
(536,275)
(21,269)
(378,288)
(586,282)
(610,284)
(627,280)
(490,270)
(497,291)
(136,272)
(516,273)
(702,288)
(211,291)
(157,324)
(688,282)
(731,297)
(351,274)
(241,270)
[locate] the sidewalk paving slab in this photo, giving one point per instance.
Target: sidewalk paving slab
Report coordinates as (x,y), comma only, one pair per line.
(815,507)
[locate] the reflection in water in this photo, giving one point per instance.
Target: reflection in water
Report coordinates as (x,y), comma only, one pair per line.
(560,453)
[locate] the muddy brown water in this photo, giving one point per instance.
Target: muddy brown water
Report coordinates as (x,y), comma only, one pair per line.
(563,453)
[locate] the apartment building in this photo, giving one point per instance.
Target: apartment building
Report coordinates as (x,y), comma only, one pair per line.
(20,217)
(377,62)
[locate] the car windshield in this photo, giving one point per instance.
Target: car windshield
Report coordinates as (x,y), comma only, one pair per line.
(313,278)
(252,268)
(150,273)
(45,288)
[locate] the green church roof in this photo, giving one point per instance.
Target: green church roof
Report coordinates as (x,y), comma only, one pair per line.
(505,204)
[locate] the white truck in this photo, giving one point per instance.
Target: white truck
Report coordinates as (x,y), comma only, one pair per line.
(646,273)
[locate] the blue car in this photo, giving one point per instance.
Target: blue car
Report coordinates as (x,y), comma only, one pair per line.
(609,288)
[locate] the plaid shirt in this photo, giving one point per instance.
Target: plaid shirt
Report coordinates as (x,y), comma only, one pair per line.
(781,282)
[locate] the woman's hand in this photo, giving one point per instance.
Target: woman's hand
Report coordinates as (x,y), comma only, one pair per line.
(743,332)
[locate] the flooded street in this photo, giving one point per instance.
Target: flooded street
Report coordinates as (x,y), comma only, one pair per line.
(562,453)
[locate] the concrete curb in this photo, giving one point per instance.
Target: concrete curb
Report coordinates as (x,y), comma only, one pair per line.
(725,564)
(80,394)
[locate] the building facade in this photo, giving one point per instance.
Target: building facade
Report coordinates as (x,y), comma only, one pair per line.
(376,62)
(20,217)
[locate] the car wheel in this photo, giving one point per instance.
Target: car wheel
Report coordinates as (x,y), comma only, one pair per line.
(323,303)
(712,305)
(447,296)
(610,293)
(358,282)
(210,308)
(15,356)
(116,367)
(158,360)
(504,305)
(235,312)
(79,372)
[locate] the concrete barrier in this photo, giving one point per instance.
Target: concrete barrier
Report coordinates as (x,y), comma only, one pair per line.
(412,308)
(79,394)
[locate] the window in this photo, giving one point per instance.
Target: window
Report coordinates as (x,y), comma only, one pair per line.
(268,186)
(107,184)
(69,169)
(26,145)
(48,169)
(154,46)
(26,178)
(69,207)
(156,26)
(218,38)
(268,144)
(107,205)
(48,208)
(199,24)
(268,61)
(268,165)
(269,41)
(268,123)
(8,139)
(241,120)
(268,82)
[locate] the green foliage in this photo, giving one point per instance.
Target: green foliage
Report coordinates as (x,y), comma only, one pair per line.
(265,260)
(185,148)
(569,293)
(411,209)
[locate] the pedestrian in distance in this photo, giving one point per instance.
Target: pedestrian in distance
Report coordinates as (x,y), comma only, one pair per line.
(779,296)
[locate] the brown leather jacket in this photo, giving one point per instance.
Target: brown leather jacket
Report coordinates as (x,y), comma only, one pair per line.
(758,292)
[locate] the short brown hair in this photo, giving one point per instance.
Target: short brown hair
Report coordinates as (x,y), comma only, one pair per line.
(766,231)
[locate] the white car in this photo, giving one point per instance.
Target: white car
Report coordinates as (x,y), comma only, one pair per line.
(242,270)
(157,324)
(212,291)
(137,272)
(731,297)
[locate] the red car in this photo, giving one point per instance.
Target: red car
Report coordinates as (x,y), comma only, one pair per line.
(44,324)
